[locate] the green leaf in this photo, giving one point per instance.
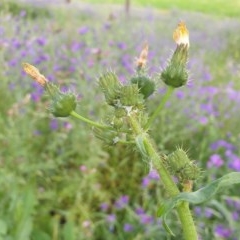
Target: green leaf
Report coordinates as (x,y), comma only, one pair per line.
(202,195)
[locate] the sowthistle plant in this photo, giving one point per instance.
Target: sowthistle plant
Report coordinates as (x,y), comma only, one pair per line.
(129,123)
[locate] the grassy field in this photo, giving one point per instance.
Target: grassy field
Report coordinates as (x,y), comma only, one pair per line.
(58,180)
(215,7)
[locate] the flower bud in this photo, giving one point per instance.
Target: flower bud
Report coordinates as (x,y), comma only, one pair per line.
(145,85)
(63,104)
(176,74)
(181,166)
(129,95)
(110,86)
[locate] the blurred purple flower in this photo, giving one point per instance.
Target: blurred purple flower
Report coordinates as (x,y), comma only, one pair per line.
(67,125)
(122,202)
(208,212)
(221,144)
(153,174)
(233,160)
(180,94)
(122,45)
(222,231)
(54,124)
(107,25)
(198,211)
(207,76)
(146,219)
(23,13)
(111,218)
(139,211)
(215,161)
(2,30)
(235,216)
(75,46)
(41,41)
(41,58)
(16,43)
(83,30)
(203,120)
(146,182)
(127,227)
(104,206)
(13,62)
(209,108)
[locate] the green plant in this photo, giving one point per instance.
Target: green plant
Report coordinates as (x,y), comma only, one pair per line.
(129,123)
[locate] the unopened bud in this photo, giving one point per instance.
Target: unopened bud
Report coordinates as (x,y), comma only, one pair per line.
(181,166)
(129,95)
(110,86)
(145,85)
(63,104)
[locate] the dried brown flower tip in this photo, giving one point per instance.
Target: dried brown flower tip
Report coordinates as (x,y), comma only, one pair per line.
(142,60)
(34,73)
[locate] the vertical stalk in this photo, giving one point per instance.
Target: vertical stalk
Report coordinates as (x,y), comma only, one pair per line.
(189,229)
(160,106)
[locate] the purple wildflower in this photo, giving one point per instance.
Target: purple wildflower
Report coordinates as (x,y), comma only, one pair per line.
(111,218)
(198,211)
(215,161)
(146,219)
(127,227)
(121,45)
(208,213)
(235,216)
(122,202)
(139,211)
(234,161)
(153,174)
(222,231)
(54,124)
(221,143)
(83,30)
(104,206)
(146,182)
(41,41)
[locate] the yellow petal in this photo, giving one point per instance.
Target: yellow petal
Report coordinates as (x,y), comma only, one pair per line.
(181,34)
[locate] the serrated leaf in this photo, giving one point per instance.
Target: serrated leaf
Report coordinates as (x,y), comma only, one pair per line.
(202,195)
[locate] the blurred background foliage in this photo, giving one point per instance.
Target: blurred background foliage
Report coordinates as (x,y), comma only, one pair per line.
(57,180)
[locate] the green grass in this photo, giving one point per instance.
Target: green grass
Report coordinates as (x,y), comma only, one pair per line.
(215,7)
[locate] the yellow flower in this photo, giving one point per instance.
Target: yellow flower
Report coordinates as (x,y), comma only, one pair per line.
(181,34)
(34,73)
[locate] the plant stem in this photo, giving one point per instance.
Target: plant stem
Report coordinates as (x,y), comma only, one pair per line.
(160,106)
(88,121)
(185,216)
(189,230)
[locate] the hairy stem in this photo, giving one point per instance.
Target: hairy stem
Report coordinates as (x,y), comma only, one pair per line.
(189,229)
(88,121)
(160,107)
